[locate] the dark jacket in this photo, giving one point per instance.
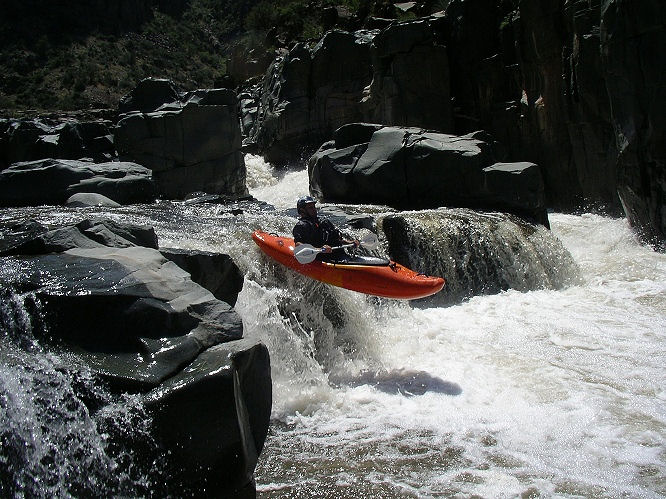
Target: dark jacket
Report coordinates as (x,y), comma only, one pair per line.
(317,232)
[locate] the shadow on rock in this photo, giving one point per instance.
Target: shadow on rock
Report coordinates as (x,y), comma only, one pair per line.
(400,381)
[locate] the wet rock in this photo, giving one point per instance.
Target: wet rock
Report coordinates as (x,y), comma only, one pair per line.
(53,181)
(84,199)
(32,238)
(227,391)
(141,324)
(214,271)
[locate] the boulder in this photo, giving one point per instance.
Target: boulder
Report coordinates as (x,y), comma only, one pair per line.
(227,391)
(148,95)
(141,324)
(85,199)
(515,188)
(32,238)
(411,168)
(216,272)
(486,252)
(53,181)
(189,146)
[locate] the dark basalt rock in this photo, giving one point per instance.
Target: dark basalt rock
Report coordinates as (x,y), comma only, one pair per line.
(53,181)
(216,272)
(192,143)
(632,41)
(24,140)
(103,293)
(227,391)
(32,238)
(149,95)
(411,168)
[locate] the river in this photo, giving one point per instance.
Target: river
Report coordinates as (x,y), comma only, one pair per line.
(552,390)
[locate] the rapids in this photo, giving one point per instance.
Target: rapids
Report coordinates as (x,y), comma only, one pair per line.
(550,383)
(533,392)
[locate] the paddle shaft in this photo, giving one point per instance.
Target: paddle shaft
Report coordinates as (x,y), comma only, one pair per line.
(306,253)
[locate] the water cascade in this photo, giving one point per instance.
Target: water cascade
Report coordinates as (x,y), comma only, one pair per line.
(537,371)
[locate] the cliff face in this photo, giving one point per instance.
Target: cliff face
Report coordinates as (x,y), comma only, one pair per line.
(574,86)
(633,37)
(592,96)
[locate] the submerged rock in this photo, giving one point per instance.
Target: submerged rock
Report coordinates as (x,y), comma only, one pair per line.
(478,253)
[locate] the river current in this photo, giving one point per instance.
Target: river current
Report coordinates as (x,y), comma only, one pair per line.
(541,390)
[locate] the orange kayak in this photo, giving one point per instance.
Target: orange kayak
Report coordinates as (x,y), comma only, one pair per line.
(369,275)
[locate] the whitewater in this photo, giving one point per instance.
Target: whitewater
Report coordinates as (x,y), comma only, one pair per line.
(549,392)
(553,387)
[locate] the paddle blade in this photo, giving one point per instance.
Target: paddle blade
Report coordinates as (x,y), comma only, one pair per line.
(305,253)
(370,241)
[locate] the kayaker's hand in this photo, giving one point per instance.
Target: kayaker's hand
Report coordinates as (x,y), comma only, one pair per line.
(326,249)
(356,243)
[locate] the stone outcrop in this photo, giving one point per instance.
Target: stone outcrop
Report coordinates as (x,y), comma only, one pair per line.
(413,168)
(309,92)
(53,181)
(347,77)
(114,302)
(32,139)
(565,109)
(410,82)
(192,144)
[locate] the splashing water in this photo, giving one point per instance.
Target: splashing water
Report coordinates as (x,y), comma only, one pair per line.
(548,384)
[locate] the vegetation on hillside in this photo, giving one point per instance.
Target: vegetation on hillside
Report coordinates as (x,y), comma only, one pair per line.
(55,57)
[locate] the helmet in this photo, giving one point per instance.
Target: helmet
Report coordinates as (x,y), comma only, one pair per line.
(303,201)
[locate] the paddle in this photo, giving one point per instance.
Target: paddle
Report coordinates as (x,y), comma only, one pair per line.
(306,253)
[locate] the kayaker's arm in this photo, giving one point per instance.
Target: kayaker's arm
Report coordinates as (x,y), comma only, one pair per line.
(324,249)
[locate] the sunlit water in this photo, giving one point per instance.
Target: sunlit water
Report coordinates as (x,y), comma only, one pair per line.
(546,392)
(556,391)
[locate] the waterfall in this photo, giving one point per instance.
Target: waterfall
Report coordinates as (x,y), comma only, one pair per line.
(62,434)
(538,370)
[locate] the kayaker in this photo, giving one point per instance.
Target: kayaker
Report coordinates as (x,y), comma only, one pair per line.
(320,233)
